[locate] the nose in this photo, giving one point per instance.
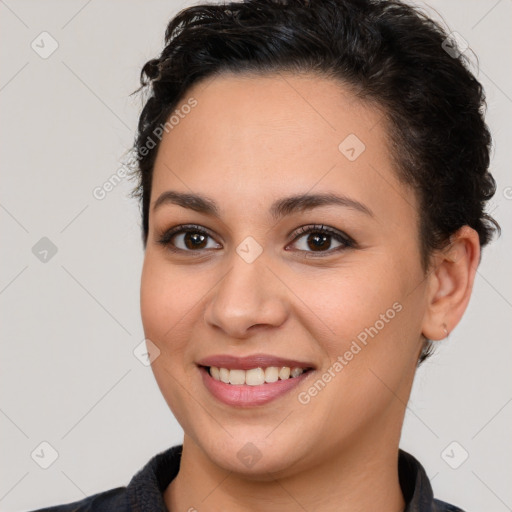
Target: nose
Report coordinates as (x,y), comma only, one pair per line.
(248,298)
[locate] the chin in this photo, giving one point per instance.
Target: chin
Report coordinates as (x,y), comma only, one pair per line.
(253,456)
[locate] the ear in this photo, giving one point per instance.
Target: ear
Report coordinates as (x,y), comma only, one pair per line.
(450,283)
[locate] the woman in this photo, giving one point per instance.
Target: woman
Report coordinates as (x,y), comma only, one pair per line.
(313,177)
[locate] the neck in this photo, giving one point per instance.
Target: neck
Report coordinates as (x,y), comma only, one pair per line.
(360,478)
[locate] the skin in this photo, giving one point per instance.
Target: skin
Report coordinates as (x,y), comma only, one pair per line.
(249,141)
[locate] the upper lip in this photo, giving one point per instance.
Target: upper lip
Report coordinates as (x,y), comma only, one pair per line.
(248,362)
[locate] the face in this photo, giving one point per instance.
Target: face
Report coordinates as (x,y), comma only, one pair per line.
(333,286)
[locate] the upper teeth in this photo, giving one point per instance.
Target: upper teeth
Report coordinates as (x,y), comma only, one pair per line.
(255,376)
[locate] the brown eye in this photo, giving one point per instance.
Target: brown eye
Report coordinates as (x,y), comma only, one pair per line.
(320,239)
(187,239)
(194,240)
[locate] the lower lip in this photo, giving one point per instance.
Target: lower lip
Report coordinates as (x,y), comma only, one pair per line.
(248,396)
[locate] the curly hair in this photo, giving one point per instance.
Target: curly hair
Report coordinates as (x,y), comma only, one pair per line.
(387,53)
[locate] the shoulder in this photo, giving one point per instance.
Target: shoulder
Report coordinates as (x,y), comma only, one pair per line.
(442,506)
(417,489)
(113,500)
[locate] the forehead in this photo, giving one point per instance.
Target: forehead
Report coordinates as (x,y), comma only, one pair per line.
(277,135)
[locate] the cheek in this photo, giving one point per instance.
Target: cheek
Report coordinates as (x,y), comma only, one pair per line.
(363,323)
(166,298)
(346,301)
(364,314)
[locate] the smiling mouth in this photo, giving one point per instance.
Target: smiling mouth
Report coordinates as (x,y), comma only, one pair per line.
(255,376)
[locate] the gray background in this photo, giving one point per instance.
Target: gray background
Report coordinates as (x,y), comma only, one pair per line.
(70,324)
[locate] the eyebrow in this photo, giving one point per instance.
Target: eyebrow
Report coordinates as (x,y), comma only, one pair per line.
(280,208)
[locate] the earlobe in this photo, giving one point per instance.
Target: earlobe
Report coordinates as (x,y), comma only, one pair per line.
(450,283)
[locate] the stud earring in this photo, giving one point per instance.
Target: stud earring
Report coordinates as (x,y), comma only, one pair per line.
(445,330)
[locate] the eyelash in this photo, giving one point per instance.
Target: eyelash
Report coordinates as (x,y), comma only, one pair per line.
(345,240)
